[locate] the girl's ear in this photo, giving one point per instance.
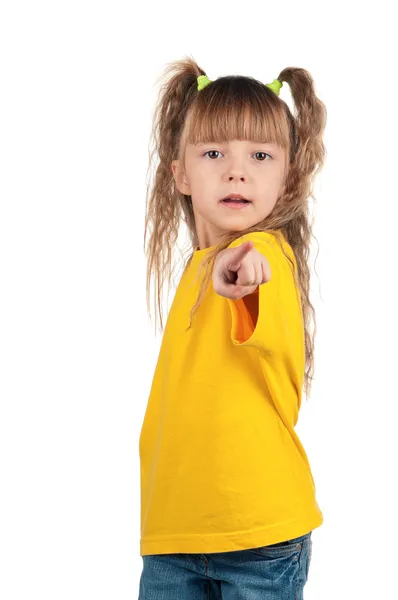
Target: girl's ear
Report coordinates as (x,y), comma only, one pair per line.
(180,178)
(284,181)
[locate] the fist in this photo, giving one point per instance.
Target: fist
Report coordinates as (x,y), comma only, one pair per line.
(239,271)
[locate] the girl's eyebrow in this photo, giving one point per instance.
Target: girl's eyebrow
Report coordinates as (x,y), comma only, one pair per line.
(199,144)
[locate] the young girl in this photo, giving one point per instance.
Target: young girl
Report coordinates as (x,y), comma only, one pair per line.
(228,500)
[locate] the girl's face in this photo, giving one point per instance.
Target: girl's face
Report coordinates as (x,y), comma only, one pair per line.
(255,170)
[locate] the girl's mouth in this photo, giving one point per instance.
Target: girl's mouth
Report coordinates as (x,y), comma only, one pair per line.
(235,203)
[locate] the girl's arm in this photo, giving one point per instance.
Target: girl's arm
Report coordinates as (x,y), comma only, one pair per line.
(257,279)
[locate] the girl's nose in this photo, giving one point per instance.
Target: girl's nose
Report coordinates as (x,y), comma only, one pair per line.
(236,171)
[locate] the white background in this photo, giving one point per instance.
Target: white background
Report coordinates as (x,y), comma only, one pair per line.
(77,348)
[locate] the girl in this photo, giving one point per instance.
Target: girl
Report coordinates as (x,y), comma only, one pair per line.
(227,496)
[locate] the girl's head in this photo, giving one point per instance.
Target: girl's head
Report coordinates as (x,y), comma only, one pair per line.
(235,139)
(234,136)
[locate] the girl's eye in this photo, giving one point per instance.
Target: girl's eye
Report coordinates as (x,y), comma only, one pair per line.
(261,160)
(211,151)
(265,153)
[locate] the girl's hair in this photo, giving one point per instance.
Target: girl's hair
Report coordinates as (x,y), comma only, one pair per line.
(234,108)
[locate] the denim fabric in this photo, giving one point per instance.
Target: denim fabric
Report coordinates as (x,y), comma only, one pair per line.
(275,572)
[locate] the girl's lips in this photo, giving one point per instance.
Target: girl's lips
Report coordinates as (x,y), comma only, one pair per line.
(235,204)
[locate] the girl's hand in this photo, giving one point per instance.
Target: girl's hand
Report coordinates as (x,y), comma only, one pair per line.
(239,271)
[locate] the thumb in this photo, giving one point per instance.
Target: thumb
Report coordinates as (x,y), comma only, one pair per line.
(238,254)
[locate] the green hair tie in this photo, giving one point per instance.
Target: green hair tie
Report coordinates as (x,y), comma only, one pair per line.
(275,86)
(203,80)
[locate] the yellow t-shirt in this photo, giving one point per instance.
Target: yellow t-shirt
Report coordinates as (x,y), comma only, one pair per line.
(222,467)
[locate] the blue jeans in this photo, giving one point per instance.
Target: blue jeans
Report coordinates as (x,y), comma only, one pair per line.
(275,572)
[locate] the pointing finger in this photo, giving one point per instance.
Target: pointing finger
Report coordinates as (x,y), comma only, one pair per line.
(239,254)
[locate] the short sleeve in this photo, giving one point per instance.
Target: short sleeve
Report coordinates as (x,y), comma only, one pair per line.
(279,325)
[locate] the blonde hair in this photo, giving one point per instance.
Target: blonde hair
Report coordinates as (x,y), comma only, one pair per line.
(234,107)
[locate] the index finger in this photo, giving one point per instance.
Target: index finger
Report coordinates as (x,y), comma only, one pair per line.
(239,254)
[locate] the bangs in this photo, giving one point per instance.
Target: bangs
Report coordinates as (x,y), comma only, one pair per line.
(236,108)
